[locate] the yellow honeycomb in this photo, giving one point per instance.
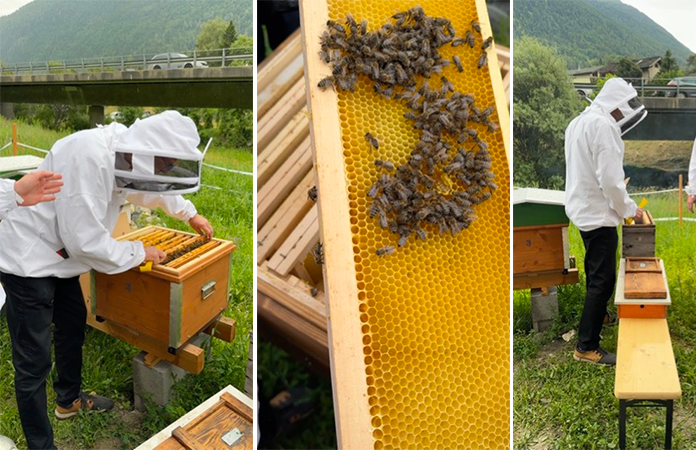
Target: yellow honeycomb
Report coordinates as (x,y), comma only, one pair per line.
(435,315)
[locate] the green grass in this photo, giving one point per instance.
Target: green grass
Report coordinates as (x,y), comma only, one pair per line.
(562,404)
(107,361)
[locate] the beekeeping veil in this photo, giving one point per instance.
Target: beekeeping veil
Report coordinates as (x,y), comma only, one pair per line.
(159,154)
(620,101)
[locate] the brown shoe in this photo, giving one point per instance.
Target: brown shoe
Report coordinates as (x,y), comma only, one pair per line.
(597,356)
(88,402)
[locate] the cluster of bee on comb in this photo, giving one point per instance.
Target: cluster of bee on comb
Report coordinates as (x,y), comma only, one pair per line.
(180,248)
(449,169)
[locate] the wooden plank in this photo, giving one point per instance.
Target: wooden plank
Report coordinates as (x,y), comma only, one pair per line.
(186,439)
(537,250)
(274,231)
(151,360)
(544,279)
(297,245)
(272,194)
(223,329)
(643,264)
(237,406)
(288,140)
(269,67)
(644,285)
(279,74)
(645,366)
(280,114)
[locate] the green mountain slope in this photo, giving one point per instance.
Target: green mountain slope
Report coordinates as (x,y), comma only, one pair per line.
(584,31)
(67,29)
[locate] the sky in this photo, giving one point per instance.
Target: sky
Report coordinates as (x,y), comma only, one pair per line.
(10,6)
(676,16)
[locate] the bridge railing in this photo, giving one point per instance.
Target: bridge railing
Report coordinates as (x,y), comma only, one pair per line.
(172,60)
(657,87)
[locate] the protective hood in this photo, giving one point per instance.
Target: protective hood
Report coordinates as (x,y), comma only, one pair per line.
(159,154)
(619,100)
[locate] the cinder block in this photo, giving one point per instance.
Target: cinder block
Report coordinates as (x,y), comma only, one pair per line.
(544,308)
(155,383)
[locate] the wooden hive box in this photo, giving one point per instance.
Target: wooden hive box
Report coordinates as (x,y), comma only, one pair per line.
(638,239)
(223,422)
(174,301)
(642,291)
(541,249)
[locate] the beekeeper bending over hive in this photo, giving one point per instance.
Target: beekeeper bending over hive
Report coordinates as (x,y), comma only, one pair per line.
(691,188)
(597,201)
(45,248)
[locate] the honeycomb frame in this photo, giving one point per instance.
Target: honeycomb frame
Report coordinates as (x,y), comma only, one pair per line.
(419,343)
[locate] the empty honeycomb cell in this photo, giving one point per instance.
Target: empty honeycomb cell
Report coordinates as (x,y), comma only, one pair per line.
(434,315)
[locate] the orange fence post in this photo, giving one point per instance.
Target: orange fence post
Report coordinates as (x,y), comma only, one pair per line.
(14,139)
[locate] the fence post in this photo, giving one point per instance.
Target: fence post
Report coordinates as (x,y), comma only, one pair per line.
(82,61)
(14,139)
(101,63)
(224,52)
(169,61)
(681,199)
(123,64)
(144,62)
(195,57)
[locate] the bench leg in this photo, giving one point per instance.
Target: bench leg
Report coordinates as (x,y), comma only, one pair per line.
(668,424)
(622,424)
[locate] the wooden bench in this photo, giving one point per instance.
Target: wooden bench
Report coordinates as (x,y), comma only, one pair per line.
(646,373)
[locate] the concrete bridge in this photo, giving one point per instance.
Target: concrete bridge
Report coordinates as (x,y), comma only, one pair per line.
(204,87)
(669,119)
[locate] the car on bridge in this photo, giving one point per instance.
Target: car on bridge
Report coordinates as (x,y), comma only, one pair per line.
(683,82)
(174,61)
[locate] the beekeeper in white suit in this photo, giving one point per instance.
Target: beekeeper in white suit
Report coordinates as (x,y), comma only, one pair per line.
(47,247)
(691,188)
(597,201)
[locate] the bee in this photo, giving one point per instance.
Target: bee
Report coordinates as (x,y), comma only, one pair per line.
(470,39)
(388,250)
(492,126)
(458,62)
(447,85)
(372,140)
(313,193)
(372,192)
(483,60)
(487,43)
(476,26)
(326,82)
(363,27)
(335,26)
(458,41)
(388,165)
(383,222)
(314,292)
(318,253)
(324,56)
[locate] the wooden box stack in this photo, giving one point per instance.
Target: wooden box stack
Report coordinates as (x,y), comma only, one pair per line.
(174,301)
(638,239)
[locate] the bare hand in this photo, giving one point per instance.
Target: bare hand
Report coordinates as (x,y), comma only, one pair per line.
(690,200)
(154,254)
(201,225)
(639,215)
(37,187)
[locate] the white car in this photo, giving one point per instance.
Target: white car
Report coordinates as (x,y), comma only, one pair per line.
(173,61)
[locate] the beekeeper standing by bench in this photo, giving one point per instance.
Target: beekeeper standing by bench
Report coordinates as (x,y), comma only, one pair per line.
(47,247)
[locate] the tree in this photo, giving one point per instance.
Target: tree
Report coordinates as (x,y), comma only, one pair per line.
(669,62)
(230,35)
(629,70)
(690,65)
(212,35)
(544,103)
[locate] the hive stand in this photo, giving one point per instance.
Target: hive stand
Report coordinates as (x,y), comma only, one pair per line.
(646,371)
(291,302)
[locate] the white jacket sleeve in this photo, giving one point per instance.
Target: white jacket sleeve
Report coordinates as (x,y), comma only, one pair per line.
(88,240)
(174,205)
(609,166)
(691,187)
(7,198)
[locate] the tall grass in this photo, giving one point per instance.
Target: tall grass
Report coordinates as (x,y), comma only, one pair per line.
(107,361)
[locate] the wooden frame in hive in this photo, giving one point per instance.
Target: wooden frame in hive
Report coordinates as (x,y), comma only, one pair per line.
(170,305)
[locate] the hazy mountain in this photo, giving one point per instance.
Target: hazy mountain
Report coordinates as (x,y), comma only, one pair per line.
(71,29)
(584,31)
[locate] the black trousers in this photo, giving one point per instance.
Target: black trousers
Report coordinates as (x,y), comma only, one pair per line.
(32,305)
(600,273)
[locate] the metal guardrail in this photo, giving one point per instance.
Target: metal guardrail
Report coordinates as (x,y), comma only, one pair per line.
(218,57)
(650,89)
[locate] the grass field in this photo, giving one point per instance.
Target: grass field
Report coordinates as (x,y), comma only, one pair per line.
(107,361)
(562,404)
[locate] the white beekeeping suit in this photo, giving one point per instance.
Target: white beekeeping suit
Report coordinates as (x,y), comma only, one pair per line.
(8,200)
(595,191)
(691,187)
(72,235)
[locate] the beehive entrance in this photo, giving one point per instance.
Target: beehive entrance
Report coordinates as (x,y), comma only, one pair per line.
(433,316)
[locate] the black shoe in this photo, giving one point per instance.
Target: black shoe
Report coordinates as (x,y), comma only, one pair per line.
(88,402)
(596,356)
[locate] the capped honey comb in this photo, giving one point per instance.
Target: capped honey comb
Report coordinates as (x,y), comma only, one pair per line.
(435,314)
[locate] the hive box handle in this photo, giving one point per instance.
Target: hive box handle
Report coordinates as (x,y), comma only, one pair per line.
(208,289)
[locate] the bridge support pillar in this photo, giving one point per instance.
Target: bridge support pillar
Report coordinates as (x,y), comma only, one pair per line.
(7,110)
(96,115)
